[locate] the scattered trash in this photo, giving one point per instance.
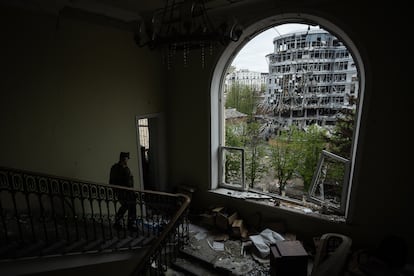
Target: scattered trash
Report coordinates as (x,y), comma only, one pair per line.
(243,245)
(221,237)
(225,253)
(240,267)
(200,236)
(195,228)
(151,225)
(238,229)
(264,240)
(217,246)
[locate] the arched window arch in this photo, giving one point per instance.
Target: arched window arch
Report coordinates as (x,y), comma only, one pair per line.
(300,95)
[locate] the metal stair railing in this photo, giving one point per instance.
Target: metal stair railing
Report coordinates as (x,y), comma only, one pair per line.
(44,215)
(166,248)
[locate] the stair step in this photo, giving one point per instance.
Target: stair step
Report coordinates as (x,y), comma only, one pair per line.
(123,243)
(206,262)
(93,245)
(74,264)
(75,246)
(109,243)
(136,242)
(141,242)
(195,268)
(208,259)
(6,249)
(27,251)
(148,240)
(54,248)
(222,264)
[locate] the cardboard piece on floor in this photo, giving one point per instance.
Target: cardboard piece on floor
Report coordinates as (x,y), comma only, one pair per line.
(223,220)
(221,237)
(217,209)
(238,228)
(206,219)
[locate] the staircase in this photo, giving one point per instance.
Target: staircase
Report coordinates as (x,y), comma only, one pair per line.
(50,224)
(192,265)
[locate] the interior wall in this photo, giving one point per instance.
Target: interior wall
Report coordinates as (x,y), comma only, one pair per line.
(380,205)
(70,91)
(188,119)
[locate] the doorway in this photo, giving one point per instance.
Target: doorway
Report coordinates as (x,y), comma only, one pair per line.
(151,151)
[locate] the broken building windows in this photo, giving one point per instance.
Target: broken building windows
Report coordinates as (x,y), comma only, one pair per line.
(305,112)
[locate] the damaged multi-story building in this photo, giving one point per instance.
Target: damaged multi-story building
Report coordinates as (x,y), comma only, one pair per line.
(312,76)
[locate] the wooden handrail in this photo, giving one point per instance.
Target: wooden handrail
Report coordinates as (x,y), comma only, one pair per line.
(157,244)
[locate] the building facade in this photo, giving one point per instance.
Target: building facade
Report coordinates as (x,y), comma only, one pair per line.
(312,77)
(254,80)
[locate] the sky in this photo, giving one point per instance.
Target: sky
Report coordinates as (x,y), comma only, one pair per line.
(252,55)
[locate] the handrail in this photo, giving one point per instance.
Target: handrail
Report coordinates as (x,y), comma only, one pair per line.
(157,244)
(35,206)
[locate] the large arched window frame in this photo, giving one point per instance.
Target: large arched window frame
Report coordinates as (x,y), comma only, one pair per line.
(217,104)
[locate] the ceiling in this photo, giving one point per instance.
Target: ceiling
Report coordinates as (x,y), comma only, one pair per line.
(123,10)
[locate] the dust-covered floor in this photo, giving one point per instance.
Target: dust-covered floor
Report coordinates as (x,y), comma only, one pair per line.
(233,255)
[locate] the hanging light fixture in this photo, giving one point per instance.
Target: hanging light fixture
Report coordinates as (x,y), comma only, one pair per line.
(185,25)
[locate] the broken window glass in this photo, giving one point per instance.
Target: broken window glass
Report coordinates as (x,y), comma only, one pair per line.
(329,183)
(233,167)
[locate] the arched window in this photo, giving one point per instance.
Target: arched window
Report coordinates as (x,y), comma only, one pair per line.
(287,131)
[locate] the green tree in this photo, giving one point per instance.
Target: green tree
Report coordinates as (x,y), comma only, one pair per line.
(312,142)
(232,160)
(285,156)
(234,134)
(263,87)
(253,142)
(242,98)
(341,139)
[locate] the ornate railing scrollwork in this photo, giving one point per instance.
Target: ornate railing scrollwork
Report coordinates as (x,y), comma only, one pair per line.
(42,215)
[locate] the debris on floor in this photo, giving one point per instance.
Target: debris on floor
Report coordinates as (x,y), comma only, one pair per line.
(221,238)
(223,252)
(264,240)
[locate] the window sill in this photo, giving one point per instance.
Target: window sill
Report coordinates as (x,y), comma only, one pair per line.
(280,202)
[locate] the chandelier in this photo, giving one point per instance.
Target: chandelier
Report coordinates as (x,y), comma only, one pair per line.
(184,25)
